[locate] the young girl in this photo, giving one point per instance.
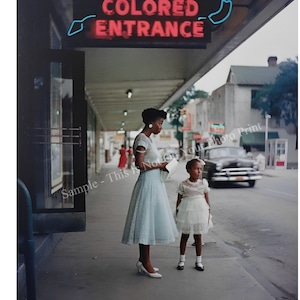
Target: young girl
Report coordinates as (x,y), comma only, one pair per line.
(193,211)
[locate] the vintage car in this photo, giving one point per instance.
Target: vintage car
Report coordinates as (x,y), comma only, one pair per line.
(228,164)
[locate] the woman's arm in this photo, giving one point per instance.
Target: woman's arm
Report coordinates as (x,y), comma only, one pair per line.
(142,165)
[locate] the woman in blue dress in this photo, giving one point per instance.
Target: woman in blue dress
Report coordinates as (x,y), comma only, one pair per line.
(149,220)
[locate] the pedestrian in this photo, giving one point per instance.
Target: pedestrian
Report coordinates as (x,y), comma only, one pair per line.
(122,159)
(149,220)
(130,155)
(193,211)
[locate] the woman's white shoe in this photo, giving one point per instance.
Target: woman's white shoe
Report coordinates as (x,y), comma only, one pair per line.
(138,266)
(152,275)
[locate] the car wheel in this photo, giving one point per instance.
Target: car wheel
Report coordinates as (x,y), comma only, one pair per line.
(251,183)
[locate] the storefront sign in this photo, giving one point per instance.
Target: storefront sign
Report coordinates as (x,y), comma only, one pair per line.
(187,123)
(150,23)
(217,128)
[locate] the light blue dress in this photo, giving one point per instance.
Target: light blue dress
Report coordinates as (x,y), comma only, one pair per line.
(149,220)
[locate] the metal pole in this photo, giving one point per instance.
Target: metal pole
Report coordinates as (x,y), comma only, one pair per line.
(125,139)
(267,117)
(29,249)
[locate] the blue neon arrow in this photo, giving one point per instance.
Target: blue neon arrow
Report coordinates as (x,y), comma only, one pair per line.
(70,33)
(213,14)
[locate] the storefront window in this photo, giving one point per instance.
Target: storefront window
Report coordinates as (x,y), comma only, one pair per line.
(61,138)
(56,126)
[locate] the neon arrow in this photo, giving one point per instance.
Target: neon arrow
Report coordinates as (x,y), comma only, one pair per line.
(70,33)
(211,16)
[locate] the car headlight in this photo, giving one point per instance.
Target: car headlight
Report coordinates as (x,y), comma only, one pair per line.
(219,167)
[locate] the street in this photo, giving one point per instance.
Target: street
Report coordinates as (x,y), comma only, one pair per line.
(261,224)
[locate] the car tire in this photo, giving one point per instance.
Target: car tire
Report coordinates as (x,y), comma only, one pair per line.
(251,183)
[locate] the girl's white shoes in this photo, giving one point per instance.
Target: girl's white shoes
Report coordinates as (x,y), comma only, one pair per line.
(199,266)
(180,266)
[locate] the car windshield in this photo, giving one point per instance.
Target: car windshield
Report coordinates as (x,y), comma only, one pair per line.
(226,152)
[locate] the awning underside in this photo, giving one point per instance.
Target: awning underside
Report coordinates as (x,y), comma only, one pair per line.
(256,138)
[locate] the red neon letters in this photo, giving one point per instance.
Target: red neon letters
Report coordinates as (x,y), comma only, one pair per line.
(169,8)
(126,28)
(175,18)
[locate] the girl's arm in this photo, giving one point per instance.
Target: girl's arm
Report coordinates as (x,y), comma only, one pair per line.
(207,199)
(142,165)
(179,197)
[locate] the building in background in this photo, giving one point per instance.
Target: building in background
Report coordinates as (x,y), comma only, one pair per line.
(228,117)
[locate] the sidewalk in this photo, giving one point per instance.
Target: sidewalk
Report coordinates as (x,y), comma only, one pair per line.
(280,173)
(95,265)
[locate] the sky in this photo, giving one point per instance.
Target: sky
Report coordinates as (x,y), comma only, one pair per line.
(279,37)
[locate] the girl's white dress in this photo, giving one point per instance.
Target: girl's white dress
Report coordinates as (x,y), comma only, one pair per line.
(149,220)
(193,215)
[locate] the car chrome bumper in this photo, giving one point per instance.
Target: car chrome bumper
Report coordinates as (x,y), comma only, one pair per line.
(236,178)
(243,174)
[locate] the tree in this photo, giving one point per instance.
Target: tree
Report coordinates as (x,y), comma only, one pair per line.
(175,111)
(280,99)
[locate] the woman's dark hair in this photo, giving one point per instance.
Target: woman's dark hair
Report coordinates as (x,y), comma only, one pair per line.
(150,115)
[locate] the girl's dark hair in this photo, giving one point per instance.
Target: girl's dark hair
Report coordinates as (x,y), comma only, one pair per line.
(150,115)
(190,163)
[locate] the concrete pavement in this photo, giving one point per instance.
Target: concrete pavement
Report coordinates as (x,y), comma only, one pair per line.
(280,173)
(95,264)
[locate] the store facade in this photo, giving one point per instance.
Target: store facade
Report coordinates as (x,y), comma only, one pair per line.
(77,60)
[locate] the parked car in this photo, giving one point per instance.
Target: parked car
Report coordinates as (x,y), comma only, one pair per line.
(229,164)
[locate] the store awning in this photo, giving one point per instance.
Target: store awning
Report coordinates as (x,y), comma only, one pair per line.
(256,138)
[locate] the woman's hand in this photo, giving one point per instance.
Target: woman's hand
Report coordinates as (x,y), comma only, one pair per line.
(163,166)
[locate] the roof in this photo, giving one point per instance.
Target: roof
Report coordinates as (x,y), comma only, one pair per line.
(250,75)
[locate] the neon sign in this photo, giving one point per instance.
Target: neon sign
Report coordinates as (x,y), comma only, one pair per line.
(151,23)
